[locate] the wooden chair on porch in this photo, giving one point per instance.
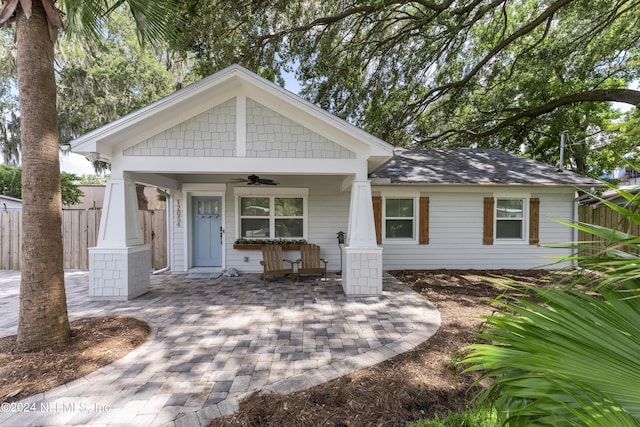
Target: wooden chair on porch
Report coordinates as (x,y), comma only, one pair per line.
(274,264)
(310,261)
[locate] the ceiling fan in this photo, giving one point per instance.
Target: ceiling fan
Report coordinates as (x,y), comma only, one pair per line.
(256,180)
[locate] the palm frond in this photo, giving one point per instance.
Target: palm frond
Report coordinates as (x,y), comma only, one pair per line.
(560,353)
(87,18)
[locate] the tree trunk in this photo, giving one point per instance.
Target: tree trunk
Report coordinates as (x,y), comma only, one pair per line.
(43,317)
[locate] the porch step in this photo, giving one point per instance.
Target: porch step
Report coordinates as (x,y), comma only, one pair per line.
(195,275)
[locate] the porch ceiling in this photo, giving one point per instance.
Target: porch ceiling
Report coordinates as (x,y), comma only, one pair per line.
(175,181)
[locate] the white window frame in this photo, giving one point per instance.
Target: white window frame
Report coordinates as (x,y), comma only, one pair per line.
(415,219)
(272,194)
(525,218)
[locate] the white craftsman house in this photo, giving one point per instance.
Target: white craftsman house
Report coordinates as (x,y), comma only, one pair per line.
(243,160)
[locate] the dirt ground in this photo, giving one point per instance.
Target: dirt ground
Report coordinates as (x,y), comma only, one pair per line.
(410,386)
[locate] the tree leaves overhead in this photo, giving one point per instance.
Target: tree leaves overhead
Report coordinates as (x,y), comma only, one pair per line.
(98,84)
(485,72)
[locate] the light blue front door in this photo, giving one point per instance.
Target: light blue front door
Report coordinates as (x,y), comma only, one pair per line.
(207,231)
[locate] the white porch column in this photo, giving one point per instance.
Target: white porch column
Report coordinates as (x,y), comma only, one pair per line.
(362,257)
(120,264)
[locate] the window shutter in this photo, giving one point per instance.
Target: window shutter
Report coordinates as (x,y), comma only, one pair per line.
(534,221)
(487,234)
(377,217)
(424,221)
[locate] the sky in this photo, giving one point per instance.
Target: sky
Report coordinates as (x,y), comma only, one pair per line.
(76,164)
(79,165)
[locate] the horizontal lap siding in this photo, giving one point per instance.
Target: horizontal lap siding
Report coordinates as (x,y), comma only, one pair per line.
(456,237)
(328,213)
(178,261)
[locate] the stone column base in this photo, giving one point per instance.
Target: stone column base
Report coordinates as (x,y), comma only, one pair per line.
(119,274)
(362,272)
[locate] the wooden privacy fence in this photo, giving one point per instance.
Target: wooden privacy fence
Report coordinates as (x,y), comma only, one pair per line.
(603,216)
(80,232)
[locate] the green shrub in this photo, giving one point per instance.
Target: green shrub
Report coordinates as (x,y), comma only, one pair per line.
(568,355)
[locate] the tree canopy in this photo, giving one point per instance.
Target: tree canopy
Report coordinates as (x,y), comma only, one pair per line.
(10,185)
(100,82)
(491,73)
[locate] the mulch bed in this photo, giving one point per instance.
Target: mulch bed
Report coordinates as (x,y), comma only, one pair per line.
(414,385)
(95,342)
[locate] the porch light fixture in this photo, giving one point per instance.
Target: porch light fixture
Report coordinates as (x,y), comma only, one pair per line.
(340,237)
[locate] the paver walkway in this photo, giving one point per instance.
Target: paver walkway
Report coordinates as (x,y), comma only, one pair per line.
(215,341)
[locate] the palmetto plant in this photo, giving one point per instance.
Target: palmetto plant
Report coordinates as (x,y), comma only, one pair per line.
(568,355)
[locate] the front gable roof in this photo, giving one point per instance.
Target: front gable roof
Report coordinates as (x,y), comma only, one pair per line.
(200,97)
(472,166)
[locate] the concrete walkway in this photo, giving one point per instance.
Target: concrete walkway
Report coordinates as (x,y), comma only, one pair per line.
(213,342)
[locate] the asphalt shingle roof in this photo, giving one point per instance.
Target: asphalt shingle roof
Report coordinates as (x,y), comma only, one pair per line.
(473,166)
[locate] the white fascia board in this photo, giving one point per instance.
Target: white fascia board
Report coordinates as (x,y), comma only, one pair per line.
(378,185)
(234,165)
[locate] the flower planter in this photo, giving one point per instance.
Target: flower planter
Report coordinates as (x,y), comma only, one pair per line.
(258,246)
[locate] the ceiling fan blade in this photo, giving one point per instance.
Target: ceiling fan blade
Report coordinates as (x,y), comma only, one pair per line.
(255,180)
(265,181)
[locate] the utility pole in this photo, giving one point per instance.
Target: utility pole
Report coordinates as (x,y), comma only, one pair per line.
(563,136)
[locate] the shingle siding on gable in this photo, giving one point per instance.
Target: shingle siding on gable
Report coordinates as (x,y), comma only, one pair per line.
(271,135)
(210,134)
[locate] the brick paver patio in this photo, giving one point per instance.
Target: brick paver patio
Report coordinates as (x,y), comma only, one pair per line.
(215,341)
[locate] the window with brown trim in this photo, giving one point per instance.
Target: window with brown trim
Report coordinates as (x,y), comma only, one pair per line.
(510,218)
(399,218)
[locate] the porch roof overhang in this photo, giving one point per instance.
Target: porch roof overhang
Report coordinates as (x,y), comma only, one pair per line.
(105,142)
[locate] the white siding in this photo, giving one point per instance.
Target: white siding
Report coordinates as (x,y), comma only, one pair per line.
(328,214)
(455,231)
(456,221)
(178,227)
